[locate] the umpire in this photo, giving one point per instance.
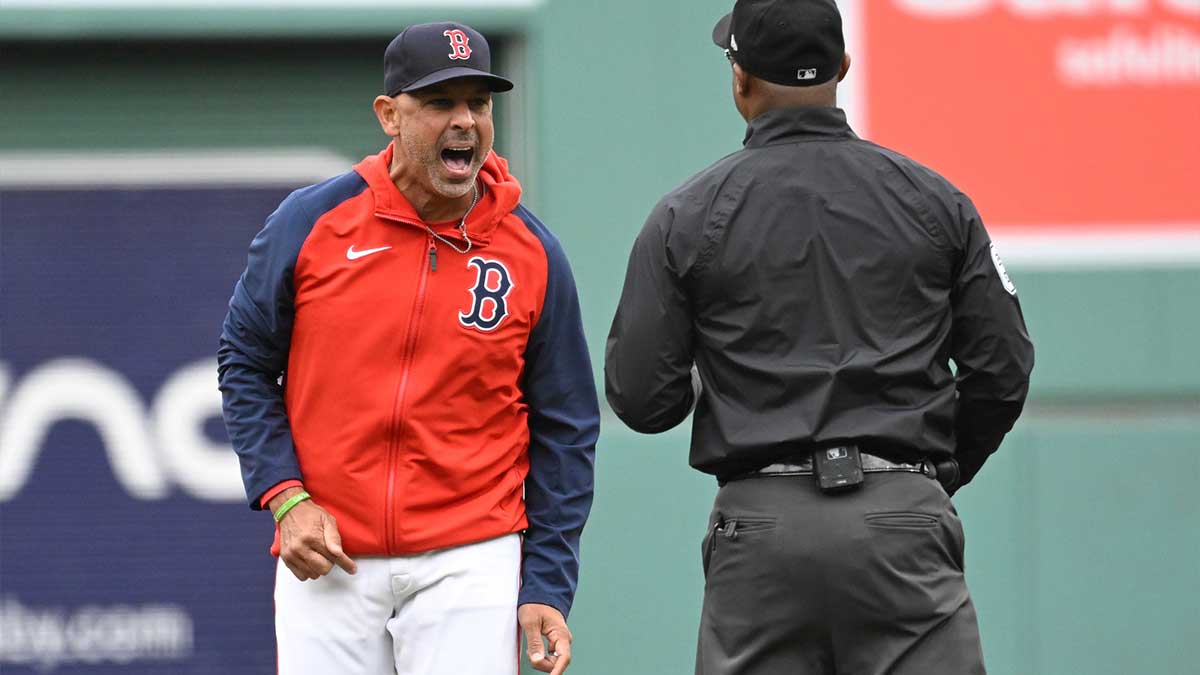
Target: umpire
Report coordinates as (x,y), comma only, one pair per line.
(806,295)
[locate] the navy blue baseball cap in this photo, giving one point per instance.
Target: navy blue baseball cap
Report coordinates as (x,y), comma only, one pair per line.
(429,53)
(798,43)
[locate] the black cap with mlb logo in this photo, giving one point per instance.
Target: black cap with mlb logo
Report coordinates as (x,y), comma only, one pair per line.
(793,42)
(429,53)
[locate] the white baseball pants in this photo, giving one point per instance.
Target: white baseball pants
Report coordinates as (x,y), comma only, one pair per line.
(452,611)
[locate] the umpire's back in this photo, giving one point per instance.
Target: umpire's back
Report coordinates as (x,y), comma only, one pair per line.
(830,282)
(821,286)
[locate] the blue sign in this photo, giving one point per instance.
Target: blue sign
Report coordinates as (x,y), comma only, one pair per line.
(126,545)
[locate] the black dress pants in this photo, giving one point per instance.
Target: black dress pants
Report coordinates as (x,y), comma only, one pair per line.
(868,582)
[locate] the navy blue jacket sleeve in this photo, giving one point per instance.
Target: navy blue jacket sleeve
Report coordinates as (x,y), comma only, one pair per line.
(253,352)
(564,423)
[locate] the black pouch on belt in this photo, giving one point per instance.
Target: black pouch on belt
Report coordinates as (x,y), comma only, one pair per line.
(838,469)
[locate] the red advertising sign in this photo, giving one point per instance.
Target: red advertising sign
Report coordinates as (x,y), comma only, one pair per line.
(1056,116)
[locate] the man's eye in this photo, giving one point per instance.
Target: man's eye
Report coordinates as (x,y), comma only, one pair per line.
(440,102)
(479,104)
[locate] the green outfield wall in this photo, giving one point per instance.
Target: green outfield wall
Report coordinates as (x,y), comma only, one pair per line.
(1083,533)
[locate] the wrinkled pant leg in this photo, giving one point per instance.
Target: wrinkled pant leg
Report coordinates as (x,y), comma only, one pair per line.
(762,611)
(951,648)
(901,605)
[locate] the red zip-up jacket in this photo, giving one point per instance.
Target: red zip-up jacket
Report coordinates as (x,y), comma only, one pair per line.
(430,398)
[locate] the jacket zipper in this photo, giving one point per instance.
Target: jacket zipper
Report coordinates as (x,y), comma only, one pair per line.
(409,351)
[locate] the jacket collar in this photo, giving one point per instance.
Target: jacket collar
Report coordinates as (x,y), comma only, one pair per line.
(789,125)
(501,195)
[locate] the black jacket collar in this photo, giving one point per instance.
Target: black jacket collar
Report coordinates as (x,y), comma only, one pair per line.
(788,125)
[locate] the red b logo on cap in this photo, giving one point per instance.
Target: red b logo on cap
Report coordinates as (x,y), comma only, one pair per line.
(458,42)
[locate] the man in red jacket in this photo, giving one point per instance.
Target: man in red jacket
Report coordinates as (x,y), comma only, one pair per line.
(436,399)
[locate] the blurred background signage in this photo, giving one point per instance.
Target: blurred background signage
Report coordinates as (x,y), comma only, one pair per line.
(126,542)
(1076,121)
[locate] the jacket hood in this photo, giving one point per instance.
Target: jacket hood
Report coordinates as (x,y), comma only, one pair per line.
(502,194)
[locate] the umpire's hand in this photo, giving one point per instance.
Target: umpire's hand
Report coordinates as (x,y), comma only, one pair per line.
(309,543)
(538,620)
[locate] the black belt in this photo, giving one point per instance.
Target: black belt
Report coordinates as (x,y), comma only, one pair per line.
(870,464)
(804,467)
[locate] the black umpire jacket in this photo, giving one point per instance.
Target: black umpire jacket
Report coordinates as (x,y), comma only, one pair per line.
(821,285)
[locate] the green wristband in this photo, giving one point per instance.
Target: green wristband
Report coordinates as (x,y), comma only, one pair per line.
(290,504)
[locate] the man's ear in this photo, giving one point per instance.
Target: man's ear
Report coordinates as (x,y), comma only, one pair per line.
(741,81)
(388,114)
(845,67)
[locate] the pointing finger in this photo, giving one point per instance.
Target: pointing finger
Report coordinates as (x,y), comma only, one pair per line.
(333,545)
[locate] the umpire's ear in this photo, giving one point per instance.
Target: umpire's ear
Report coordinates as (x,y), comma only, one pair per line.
(387,111)
(845,67)
(741,81)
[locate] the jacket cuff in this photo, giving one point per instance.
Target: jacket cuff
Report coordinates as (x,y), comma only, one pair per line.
(540,598)
(279,487)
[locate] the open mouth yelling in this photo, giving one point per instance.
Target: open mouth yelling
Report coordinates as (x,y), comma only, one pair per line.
(457,160)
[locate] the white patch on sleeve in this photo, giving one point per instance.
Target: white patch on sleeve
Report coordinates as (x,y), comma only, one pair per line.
(1004,279)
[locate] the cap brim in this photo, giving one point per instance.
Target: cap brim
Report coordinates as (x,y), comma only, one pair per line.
(720,35)
(495,82)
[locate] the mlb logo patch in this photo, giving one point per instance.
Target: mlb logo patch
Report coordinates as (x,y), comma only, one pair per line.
(806,74)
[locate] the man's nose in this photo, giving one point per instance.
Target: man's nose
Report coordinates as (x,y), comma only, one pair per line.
(462,117)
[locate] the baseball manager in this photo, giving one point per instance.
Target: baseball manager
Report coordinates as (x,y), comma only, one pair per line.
(808,295)
(428,453)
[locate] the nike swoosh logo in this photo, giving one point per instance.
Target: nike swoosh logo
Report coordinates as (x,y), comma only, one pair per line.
(351,254)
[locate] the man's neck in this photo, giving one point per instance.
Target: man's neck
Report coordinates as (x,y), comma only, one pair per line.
(429,205)
(779,96)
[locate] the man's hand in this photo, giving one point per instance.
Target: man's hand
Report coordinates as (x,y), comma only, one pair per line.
(538,620)
(309,543)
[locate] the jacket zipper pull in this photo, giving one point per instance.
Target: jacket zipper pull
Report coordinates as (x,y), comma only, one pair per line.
(432,257)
